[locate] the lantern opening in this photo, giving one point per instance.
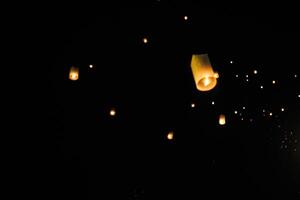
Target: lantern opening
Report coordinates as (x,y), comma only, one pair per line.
(204,76)
(74,73)
(222,119)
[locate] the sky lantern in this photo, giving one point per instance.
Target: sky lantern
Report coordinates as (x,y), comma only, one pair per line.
(222,119)
(74,73)
(112,112)
(204,75)
(170,135)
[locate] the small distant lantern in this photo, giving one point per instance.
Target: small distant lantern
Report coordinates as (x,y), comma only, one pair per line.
(204,76)
(222,120)
(170,135)
(74,73)
(112,112)
(145,40)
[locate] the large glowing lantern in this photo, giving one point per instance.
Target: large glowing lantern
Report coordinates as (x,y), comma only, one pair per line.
(204,76)
(74,73)
(222,119)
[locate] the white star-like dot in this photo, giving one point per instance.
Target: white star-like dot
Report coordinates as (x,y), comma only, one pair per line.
(270,114)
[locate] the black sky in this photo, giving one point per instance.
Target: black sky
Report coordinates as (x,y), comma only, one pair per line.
(86,154)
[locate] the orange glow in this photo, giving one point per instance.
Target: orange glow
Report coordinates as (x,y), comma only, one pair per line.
(74,73)
(222,120)
(112,112)
(204,76)
(170,135)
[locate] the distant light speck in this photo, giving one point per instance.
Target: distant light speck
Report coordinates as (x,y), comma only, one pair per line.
(112,112)
(145,40)
(170,135)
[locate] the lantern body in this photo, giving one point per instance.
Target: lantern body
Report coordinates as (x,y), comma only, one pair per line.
(112,112)
(170,135)
(222,119)
(74,73)
(204,76)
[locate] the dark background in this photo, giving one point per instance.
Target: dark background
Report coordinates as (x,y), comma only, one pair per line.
(83,153)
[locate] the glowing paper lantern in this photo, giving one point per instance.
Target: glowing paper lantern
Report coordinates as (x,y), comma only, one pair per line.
(222,120)
(112,112)
(170,135)
(204,76)
(74,73)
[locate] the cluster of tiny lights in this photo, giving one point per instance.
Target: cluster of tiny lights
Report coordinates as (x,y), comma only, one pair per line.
(145,40)
(288,141)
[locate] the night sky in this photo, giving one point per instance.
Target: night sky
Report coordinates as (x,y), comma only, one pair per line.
(135,60)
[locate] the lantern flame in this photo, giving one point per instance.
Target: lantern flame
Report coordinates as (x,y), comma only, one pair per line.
(170,135)
(222,119)
(74,73)
(204,76)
